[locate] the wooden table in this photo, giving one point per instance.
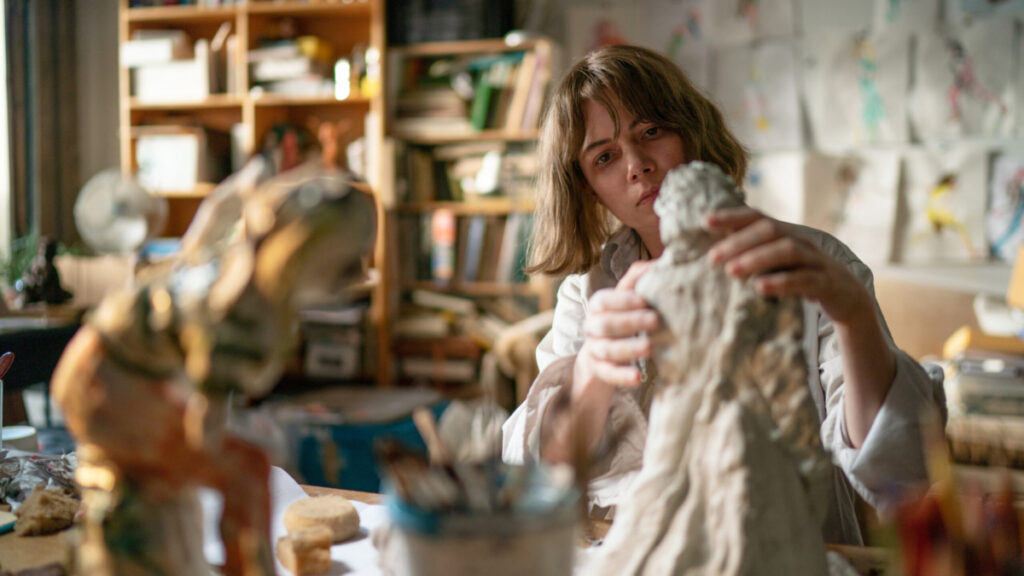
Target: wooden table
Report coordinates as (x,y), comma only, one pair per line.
(19,553)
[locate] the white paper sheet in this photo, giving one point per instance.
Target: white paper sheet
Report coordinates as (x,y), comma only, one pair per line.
(756,90)
(742,21)
(965,81)
(906,15)
(590,27)
(775,185)
(678,29)
(1004,221)
(855,89)
(356,557)
(826,17)
(945,194)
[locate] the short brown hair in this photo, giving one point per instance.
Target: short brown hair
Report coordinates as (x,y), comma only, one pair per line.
(569,228)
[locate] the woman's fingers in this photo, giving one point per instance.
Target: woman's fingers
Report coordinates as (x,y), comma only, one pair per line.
(633,275)
(621,350)
(729,219)
(620,324)
(779,254)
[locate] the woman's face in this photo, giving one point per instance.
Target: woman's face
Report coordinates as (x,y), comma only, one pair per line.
(625,171)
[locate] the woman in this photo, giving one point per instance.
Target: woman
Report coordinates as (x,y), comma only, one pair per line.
(618,122)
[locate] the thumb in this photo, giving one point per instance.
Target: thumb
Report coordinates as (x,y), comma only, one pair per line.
(633,275)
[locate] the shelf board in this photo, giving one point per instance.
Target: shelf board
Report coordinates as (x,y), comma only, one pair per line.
(181,14)
(278,100)
(462,47)
(489,206)
(482,136)
(475,288)
(292,8)
(210,102)
(202,190)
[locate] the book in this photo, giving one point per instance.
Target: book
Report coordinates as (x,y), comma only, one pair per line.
(476,229)
(460,370)
(160,48)
(285,69)
(439,301)
(175,81)
(535,98)
(423,325)
(520,92)
(507,260)
(442,263)
(481,100)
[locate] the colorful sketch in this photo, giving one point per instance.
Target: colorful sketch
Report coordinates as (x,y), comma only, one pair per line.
(855,89)
(965,81)
(735,22)
(591,27)
(1004,223)
(946,205)
(678,29)
(756,89)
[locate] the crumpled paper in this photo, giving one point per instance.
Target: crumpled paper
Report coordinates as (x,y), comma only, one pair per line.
(21,472)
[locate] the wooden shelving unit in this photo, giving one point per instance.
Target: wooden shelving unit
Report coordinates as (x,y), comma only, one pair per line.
(252,113)
(504,127)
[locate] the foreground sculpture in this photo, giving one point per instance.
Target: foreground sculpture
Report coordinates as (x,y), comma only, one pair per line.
(145,384)
(735,479)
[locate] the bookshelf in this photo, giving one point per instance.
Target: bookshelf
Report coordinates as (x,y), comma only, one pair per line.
(234,102)
(462,120)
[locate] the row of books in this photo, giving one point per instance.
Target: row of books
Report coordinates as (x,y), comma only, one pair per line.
(295,67)
(201,3)
(442,339)
(168,66)
(447,250)
(458,95)
(465,172)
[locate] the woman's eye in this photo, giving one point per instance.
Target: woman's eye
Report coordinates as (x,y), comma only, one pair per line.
(602,159)
(652,131)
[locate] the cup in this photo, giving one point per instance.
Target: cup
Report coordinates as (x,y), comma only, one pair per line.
(21,438)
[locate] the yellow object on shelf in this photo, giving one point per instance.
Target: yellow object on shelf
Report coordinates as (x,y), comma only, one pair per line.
(1015,293)
(968,338)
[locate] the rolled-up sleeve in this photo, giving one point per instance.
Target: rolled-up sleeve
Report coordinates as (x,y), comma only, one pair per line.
(892,455)
(521,432)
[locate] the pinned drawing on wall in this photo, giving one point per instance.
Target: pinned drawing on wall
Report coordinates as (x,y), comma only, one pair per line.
(987,7)
(855,198)
(965,81)
(906,15)
(742,21)
(591,27)
(946,205)
(854,87)
(1004,222)
(678,29)
(774,184)
(756,88)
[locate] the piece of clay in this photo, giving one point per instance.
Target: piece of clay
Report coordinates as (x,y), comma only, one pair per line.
(333,512)
(735,478)
(45,512)
(306,552)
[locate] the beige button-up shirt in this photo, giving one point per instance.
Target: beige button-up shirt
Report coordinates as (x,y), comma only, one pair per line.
(890,458)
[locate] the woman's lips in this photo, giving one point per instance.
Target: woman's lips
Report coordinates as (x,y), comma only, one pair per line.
(648,197)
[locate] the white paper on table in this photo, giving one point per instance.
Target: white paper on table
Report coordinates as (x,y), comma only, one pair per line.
(855,89)
(965,81)
(775,185)
(355,557)
(591,27)
(678,29)
(742,21)
(906,15)
(946,219)
(1004,221)
(756,90)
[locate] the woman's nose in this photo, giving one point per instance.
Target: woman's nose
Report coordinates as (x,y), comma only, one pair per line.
(639,164)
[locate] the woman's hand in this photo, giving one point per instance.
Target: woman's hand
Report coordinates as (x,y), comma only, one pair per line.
(785,264)
(612,341)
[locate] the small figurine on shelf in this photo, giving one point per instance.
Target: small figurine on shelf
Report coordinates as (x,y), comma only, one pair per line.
(41,282)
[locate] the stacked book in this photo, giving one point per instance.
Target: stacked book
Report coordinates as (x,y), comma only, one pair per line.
(169,67)
(294,67)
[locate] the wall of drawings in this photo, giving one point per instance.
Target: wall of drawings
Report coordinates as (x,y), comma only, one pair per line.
(894,124)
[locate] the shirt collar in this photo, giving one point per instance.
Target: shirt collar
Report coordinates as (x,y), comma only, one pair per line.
(620,251)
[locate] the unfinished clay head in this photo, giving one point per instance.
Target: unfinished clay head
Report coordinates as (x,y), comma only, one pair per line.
(688,194)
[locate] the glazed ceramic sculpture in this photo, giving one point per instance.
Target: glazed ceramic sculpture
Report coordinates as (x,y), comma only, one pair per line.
(144,385)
